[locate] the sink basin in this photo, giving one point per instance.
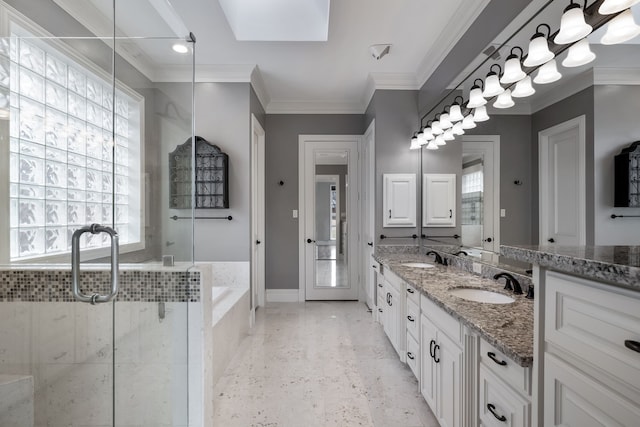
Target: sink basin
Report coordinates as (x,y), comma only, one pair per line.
(481,295)
(418,265)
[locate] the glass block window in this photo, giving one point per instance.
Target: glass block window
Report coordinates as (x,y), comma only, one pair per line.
(472,182)
(62,169)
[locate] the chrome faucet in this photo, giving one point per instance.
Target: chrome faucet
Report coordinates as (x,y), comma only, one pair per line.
(511,284)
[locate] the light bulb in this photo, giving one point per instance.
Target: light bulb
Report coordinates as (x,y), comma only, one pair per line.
(480,114)
(445,123)
(432,145)
(621,29)
(548,73)
(539,52)
(492,86)
(579,54)
(440,140)
(435,128)
(504,100)
(512,68)
(523,88)
(455,114)
(468,122)
(572,25)
(458,129)
(609,7)
(475,98)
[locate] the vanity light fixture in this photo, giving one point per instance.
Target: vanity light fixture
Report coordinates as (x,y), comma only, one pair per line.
(445,123)
(428,133)
(609,7)
(468,122)
(436,129)
(504,100)
(449,135)
(539,52)
(492,83)
(180,48)
(579,54)
(480,114)
(621,29)
(455,113)
(414,142)
(421,135)
(572,25)
(548,73)
(458,129)
(475,96)
(440,141)
(512,68)
(523,88)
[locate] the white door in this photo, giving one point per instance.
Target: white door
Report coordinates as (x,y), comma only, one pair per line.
(439,200)
(367,201)
(562,184)
(329,265)
(399,200)
(257,216)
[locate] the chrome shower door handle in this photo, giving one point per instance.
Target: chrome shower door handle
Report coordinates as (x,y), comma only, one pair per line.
(75,264)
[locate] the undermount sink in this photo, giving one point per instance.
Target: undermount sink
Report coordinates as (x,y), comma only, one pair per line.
(481,295)
(417,265)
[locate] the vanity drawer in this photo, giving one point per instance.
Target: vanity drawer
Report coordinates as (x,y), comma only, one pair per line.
(413,355)
(597,326)
(517,376)
(413,319)
(447,323)
(413,295)
(499,405)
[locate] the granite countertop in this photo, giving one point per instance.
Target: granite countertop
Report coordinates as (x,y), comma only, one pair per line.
(617,265)
(508,327)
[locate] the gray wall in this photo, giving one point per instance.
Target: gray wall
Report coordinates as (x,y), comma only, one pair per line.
(282,240)
(396,115)
(567,109)
(616,127)
(515,164)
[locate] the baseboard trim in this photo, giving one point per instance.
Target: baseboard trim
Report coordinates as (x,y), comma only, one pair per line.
(282,295)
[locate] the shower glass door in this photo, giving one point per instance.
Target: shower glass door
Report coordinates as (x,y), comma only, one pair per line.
(85,136)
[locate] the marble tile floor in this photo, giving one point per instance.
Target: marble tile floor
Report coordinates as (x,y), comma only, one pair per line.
(319,364)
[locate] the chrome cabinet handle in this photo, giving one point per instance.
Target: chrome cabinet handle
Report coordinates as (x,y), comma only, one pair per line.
(75,264)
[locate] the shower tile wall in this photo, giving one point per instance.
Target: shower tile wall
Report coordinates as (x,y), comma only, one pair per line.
(66,347)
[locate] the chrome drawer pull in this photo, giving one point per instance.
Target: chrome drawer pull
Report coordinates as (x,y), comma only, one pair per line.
(492,409)
(492,356)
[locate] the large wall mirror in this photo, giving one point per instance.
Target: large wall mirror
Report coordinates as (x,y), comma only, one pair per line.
(551,179)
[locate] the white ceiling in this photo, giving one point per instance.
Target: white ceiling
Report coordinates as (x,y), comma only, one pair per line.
(338,75)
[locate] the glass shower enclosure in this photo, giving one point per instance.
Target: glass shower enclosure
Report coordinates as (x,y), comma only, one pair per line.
(94,329)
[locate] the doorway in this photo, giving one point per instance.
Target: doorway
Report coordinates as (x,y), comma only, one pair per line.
(329,209)
(562,184)
(257,216)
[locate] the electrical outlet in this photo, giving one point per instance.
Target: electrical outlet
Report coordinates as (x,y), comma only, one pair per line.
(477,268)
(503,213)
(295,213)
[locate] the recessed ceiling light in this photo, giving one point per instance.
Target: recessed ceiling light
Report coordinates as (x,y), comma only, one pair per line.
(180,48)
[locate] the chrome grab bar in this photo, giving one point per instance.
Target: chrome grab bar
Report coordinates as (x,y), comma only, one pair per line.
(75,264)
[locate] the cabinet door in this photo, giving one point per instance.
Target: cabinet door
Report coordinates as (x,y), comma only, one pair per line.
(399,200)
(394,320)
(449,379)
(439,200)
(428,336)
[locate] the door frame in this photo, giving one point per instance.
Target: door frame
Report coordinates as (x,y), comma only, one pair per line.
(485,144)
(543,175)
(367,186)
(354,261)
(257,216)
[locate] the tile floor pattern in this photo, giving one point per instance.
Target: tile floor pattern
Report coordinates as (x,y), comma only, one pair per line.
(319,364)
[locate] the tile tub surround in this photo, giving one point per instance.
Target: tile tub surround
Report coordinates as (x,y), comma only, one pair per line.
(40,284)
(508,327)
(617,265)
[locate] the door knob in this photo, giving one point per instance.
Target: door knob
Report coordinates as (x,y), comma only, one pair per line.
(370,243)
(258,242)
(488,240)
(551,240)
(310,241)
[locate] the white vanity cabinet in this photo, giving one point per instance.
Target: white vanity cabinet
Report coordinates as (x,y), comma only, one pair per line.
(591,353)
(399,200)
(439,200)
(394,312)
(441,363)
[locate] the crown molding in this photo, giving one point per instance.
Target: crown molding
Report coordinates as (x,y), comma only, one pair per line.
(465,15)
(205,73)
(314,107)
(389,81)
(616,76)
(257,82)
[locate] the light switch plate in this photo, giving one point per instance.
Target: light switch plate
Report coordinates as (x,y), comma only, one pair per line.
(477,268)
(503,213)
(295,213)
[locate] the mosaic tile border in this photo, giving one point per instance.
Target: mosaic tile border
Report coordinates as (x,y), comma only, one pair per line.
(134,286)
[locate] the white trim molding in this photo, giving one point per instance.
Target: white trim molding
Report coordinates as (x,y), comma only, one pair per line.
(282,295)
(314,107)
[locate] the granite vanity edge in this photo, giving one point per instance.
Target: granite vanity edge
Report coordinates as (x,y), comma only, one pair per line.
(615,274)
(521,359)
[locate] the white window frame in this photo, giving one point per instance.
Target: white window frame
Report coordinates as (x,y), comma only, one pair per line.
(8,15)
